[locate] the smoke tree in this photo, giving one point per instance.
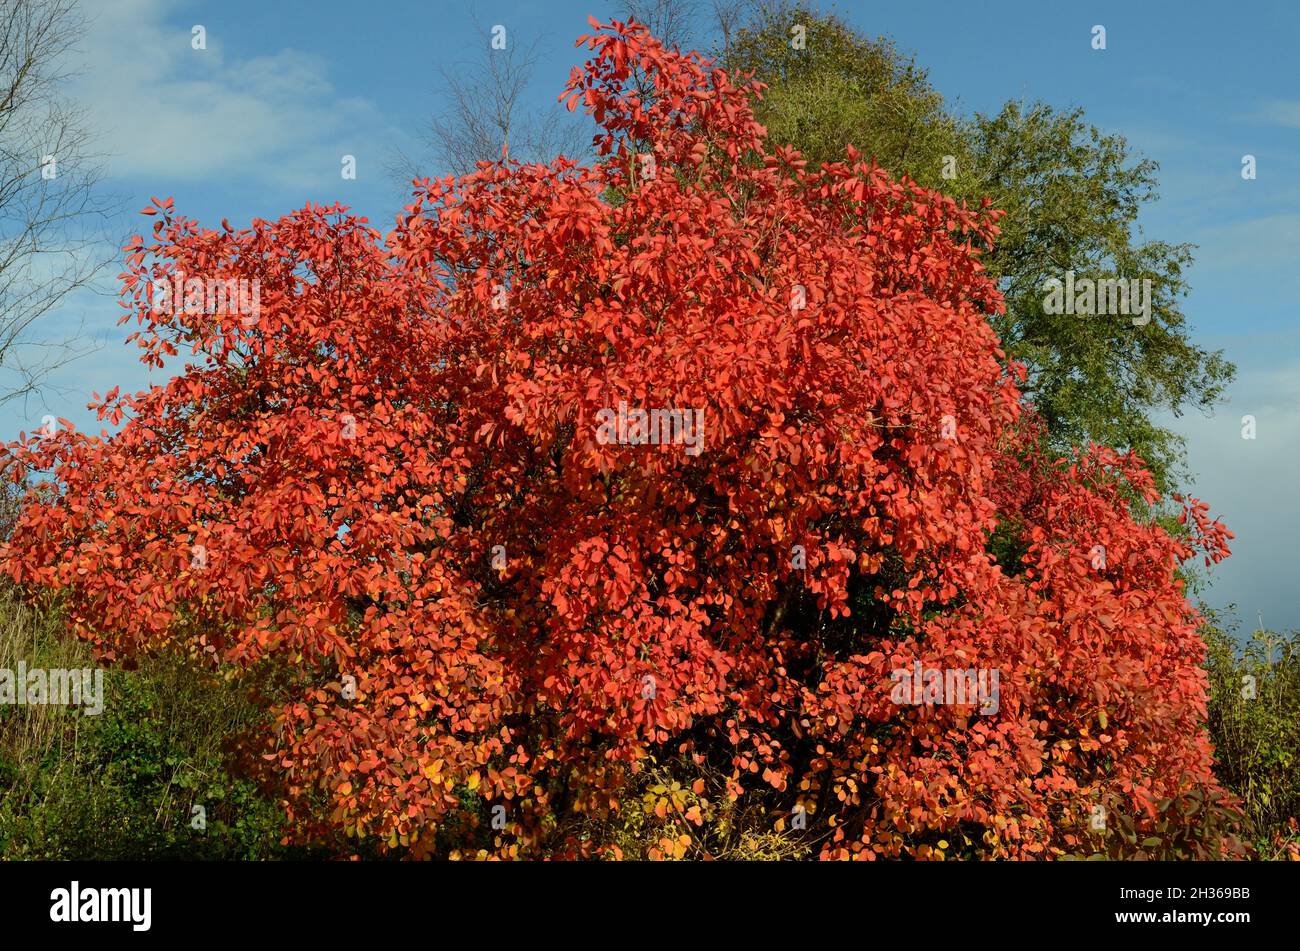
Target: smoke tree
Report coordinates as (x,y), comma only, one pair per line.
(474,621)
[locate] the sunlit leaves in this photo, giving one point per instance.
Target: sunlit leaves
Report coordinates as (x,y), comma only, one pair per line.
(396,481)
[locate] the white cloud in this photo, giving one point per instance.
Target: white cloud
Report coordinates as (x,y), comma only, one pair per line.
(167,111)
(1257,252)
(1251,485)
(1283,112)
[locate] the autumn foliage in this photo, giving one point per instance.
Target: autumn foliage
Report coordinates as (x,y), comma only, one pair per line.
(457,598)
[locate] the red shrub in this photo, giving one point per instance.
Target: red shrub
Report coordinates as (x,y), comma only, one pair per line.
(351,457)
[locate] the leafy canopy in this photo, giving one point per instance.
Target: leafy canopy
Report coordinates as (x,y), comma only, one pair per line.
(482,619)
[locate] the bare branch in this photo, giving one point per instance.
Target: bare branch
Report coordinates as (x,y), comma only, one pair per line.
(485,114)
(53,234)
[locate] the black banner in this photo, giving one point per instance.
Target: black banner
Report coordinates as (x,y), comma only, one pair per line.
(375,901)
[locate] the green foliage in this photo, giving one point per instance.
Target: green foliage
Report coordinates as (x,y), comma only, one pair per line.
(1072,196)
(122,784)
(1256,738)
(842,88)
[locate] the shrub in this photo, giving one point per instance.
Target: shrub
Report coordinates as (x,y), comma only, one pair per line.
(392,492)
(1254,721)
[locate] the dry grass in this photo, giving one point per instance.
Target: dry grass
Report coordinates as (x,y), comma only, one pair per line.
(47,734)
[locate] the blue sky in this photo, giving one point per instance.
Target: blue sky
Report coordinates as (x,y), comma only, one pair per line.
(256,125)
